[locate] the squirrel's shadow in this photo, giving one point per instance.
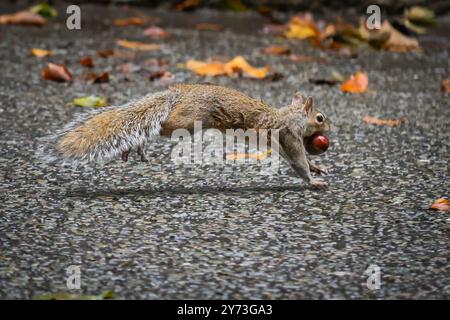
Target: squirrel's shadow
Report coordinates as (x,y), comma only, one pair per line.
(89,193)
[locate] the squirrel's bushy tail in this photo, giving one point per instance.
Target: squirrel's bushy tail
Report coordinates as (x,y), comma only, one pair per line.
(104,134)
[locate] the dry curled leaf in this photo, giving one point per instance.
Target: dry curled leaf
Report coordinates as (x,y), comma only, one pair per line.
(132,21)
(136,45)
(87,62)
(41,52)
(23,17)
(187,4)
(397,41)
(234,66)
(445,85)
(56,72)
(161,75)
(357,83)
(97,78)
(277,50)
(209,26)
(382,122)
(156,32)
(441,204)
(105,53)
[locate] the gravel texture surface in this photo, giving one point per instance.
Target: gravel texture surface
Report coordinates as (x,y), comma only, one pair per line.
(159,230)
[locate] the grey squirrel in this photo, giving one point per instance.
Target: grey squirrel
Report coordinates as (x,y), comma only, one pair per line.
(115,130)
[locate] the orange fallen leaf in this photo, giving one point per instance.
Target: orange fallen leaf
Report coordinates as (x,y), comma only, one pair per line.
(41,52)
(23,17)
(156,32)
(187,4)
(445,85)
(136,45)
(132,21)
(209,26)
(239,64)
(441,204)
(214,68)
(56,72)
(242,156)
(161,75)
(382,122)
(277,50)
(105,53)
(302,27)
(97,78)
(87,62)
(357,83)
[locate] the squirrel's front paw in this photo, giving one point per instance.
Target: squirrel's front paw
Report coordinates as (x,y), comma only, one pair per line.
(318,184)
(319,170)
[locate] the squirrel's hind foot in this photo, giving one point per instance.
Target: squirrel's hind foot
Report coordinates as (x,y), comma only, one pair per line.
(140,152)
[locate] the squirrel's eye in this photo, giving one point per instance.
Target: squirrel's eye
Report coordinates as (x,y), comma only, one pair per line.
(319,118)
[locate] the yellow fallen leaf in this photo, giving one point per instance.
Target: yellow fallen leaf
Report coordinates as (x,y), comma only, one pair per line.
(382,122)
(136,45)
(41,52)
(277,50)
(302,27)
(441,204)
(90,101)
(357,83)
(236,65)
(240,64)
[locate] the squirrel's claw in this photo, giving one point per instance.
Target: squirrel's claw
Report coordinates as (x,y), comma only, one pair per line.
(125,155)
(317,169)
(141,152)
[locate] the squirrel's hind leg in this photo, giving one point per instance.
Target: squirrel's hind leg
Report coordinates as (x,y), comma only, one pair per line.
(125,155)
(141,153)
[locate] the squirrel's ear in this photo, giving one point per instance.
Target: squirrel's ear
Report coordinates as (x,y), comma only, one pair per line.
(308,106)
(297,100)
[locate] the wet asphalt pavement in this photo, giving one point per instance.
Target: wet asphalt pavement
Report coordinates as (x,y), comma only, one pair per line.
(159,230)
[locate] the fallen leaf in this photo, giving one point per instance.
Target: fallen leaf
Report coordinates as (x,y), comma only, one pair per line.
(129,68)
(41,52)
(73,296)
(90,101)
(97,78)
(397,41)
(45,10)
(242,156)
(161,75)
(333,79)
(445,85)
(136,45)
(56,72)
(421,16)
(304,58)
(277,50)
(239,64)
(105,53)
(209,26)
(23,17)
(87,62)
(156,32)
(275,29)
(357,83)
(234,66)
(187,4)
(132,21)
(302,27)
(382,122)
(441,204)
(234,5)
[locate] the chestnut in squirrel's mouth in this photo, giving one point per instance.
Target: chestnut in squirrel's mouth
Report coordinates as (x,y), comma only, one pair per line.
(317,143)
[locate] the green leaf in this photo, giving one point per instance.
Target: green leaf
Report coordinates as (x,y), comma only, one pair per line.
(45,10)
(73,296)
(90,101)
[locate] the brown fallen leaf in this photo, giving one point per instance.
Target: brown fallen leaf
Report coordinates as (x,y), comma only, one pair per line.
(132,21)
(105,53)
(397,41)
(187,4)
(209,26)
(97,78)
(445,85)
(234,66)
(136,45)
(357,83)
(441,204)
(275,29)
(156,32)
(161,75)
(382,122)
(87,62)
(304,58)
(56,72)
(277,50)
(23,17)
(41,52)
